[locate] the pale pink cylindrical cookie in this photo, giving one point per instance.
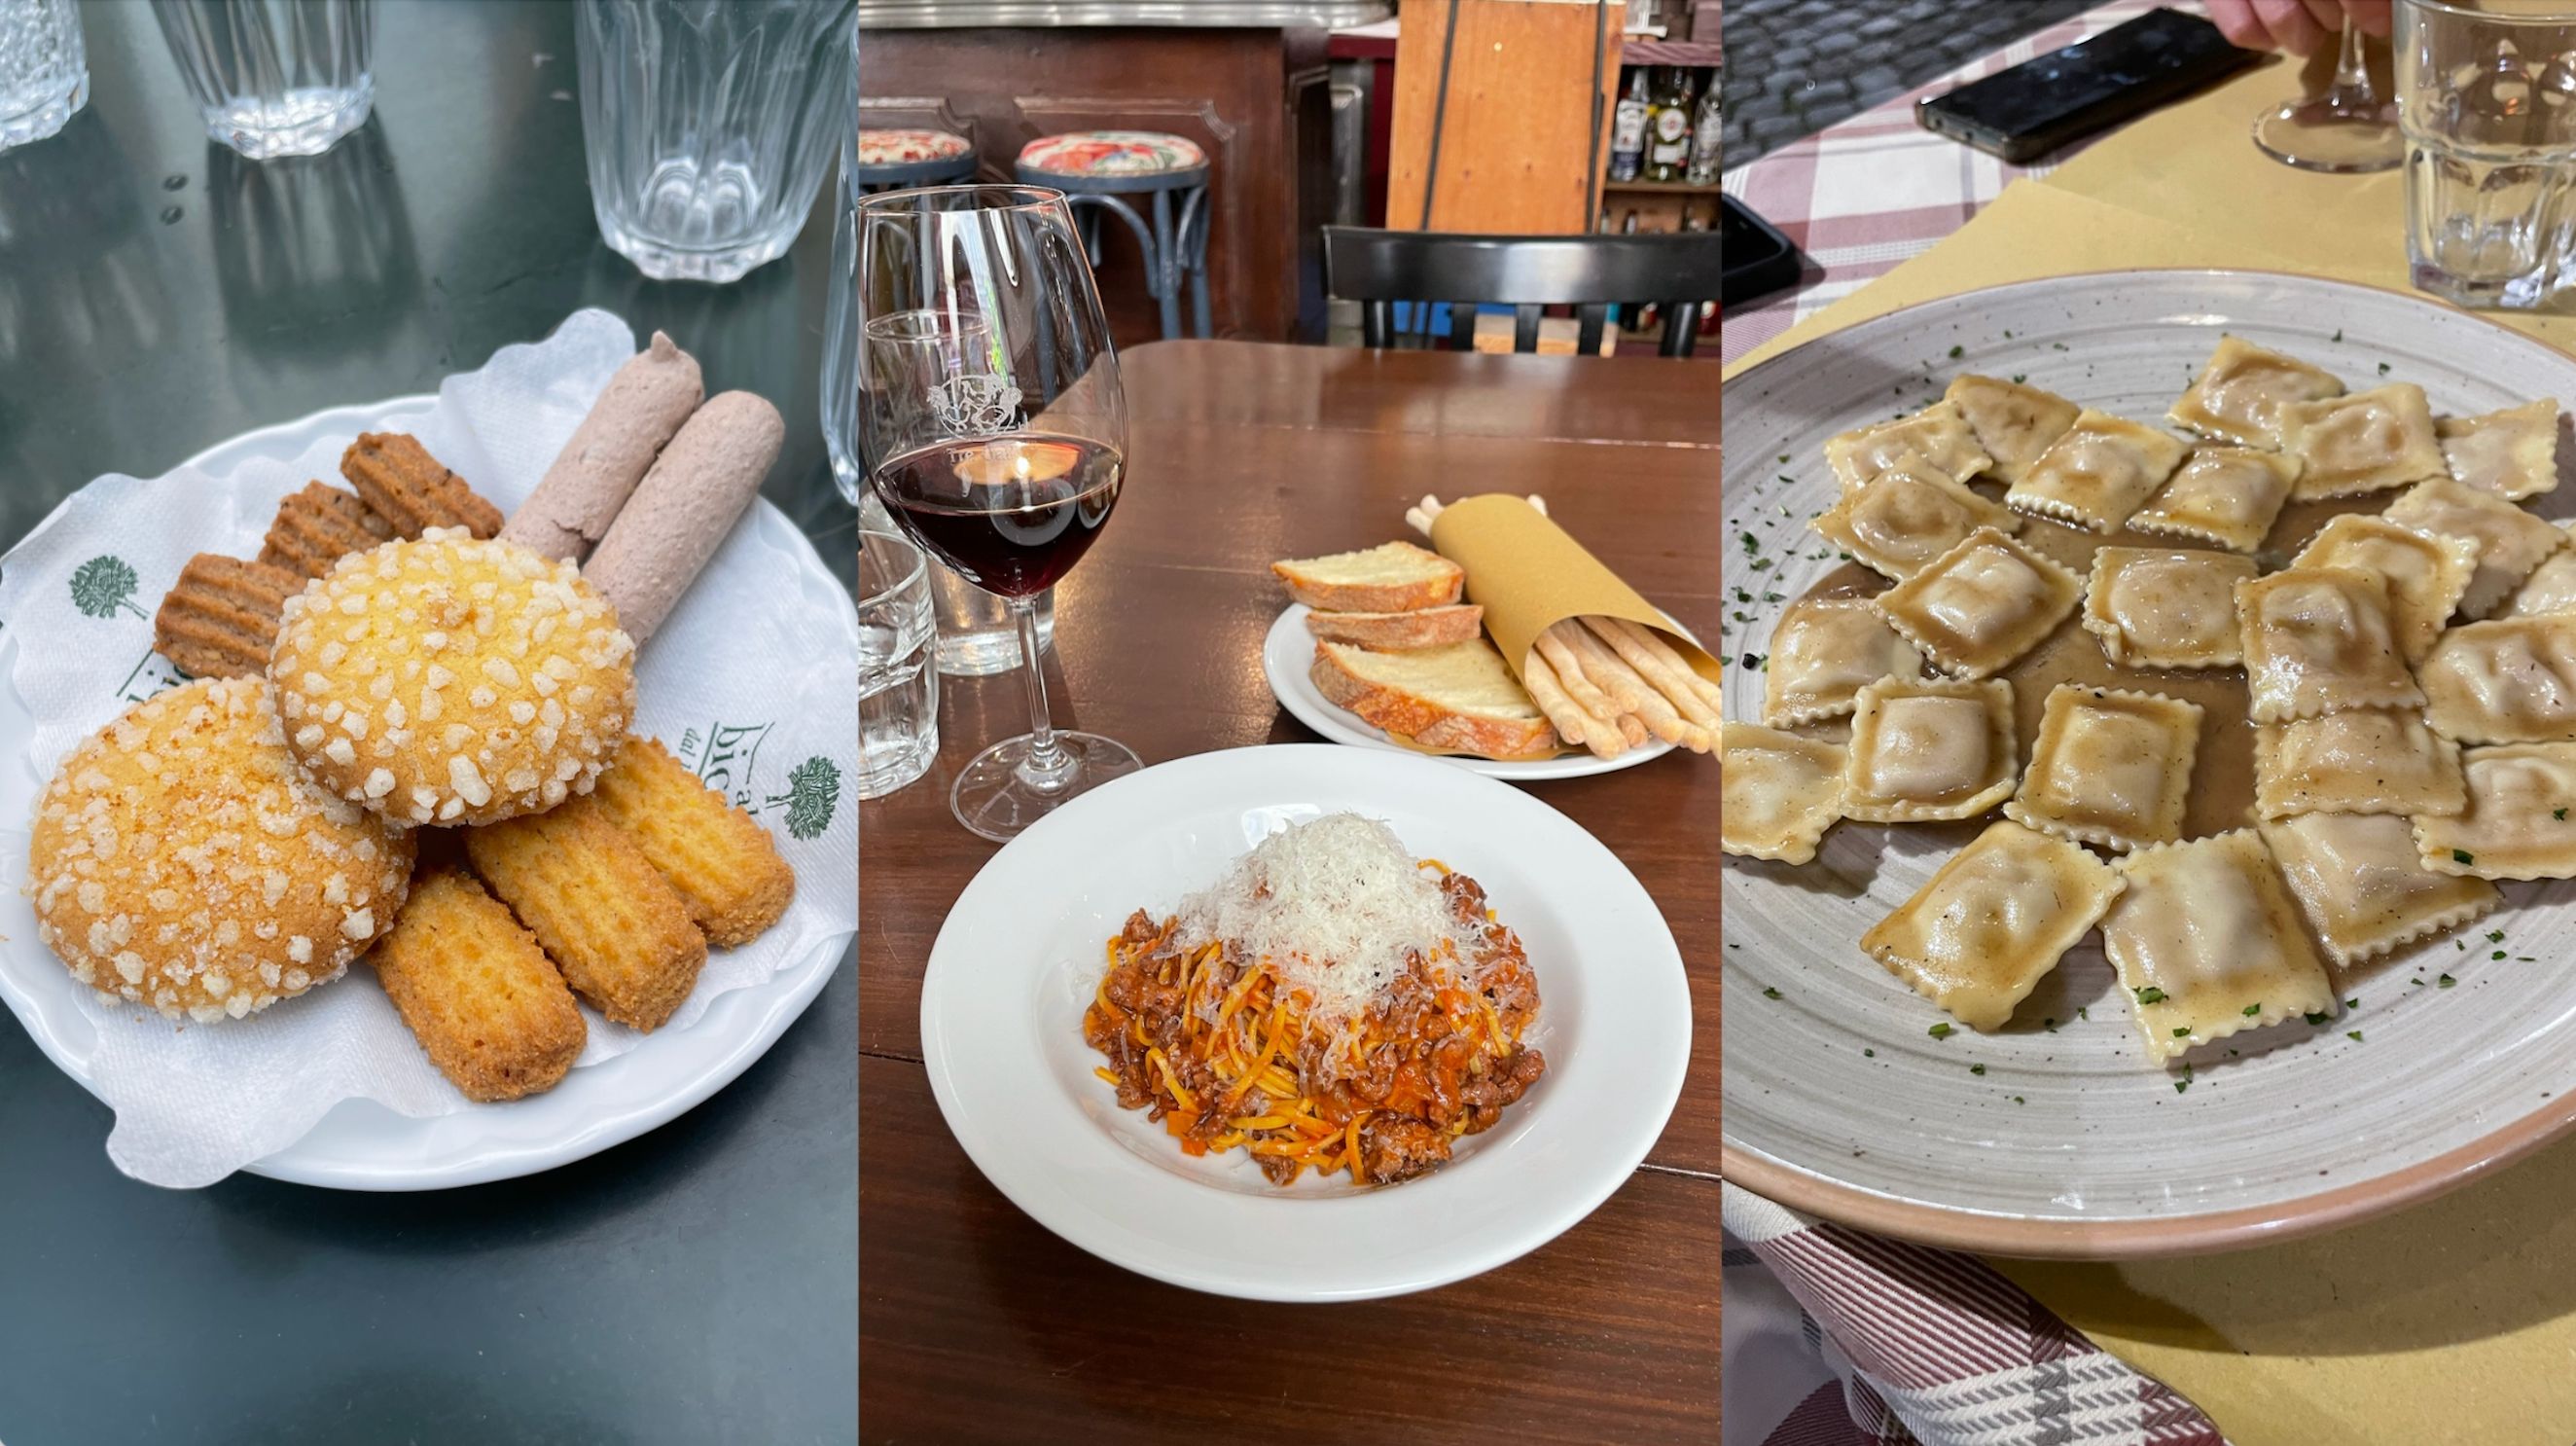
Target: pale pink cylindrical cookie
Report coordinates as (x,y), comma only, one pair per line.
(643,406)
(683,508)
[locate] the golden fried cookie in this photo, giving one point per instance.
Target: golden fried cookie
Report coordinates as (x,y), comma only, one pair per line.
(453,681)
(180,860)
(619,933)
(477,992)
(723,863)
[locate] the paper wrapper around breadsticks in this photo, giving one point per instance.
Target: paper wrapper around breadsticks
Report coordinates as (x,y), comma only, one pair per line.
(1530,574)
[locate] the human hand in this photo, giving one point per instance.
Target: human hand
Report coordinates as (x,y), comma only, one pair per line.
(2300,27)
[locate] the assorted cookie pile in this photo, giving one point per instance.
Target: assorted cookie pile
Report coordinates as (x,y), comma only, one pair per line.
(407,739)
(2410,674)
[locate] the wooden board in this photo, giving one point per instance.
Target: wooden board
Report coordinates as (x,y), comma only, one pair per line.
(1516,156)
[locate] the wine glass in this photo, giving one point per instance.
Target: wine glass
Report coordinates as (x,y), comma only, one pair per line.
(2349,129)
(997,434)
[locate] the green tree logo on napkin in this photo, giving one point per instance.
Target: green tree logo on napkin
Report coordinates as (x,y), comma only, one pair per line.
(102,585)
(813,790)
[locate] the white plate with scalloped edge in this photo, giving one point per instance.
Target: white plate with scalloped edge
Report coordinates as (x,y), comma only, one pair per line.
(2067,1142)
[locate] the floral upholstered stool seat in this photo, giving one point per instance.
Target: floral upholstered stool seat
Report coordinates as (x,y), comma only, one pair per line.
(888,159)
(1098,170)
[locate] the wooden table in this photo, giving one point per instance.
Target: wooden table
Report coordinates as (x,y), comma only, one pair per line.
(975,1323)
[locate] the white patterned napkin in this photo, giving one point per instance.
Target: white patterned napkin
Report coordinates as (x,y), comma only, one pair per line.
(752,682)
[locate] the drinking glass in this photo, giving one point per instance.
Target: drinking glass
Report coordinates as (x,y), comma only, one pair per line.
(275,77)
(2485,101)
(991,413)
(898,688)
(708,125)
(976,633)
(44,69)
(2348,130)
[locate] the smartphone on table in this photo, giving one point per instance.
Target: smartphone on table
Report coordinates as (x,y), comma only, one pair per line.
(2050,100)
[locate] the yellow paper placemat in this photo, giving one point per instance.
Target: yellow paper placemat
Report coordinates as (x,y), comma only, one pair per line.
(2454,1321)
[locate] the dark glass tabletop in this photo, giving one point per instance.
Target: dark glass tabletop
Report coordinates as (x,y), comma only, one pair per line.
(158,295)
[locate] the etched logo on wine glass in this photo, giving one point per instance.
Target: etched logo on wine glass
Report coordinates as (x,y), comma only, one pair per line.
(975,406)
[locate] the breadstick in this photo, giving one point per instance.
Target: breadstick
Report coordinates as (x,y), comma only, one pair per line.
(1569,671)
(1635,694)
(1632,728)
(1684,698)
(1654,643)
(1572,722)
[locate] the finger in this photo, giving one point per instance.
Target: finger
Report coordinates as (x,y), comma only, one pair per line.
(2371,15)
(2291,25)
(2328,14)
(2236,20)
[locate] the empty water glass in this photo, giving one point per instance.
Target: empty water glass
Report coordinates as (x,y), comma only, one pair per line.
(898,686)
(2487,102)
(275,77)
(709,124)
(44,69)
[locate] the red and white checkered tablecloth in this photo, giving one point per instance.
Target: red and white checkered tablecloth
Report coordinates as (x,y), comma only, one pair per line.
(1864,196)
(1835,1337)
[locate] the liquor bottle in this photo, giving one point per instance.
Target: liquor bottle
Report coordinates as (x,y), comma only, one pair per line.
(1706,136)
(1668,124)
(1628,128)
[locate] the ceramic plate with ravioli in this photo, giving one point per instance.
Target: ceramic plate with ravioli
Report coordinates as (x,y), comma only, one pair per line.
(2065,1129)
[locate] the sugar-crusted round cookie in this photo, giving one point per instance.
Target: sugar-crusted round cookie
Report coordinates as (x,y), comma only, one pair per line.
(180,859)
(453,681)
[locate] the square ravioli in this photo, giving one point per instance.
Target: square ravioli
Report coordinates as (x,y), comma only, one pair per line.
(1906,516)
(2241,389)
(1777,792)
(2318,640)
(2512,453)
(2363,761)
(2102,469)
(2166,607)
(2510,542)
(2426,575)
(2013,423)
(1937,436)
(2208,943)
(1930,750)
(2110,767)
(1981,605)
(2510,680)
(1826,650)
(2365,442)
(2521,818)
(1997,917)
(2225,496)
(2361,883)
(2551,588)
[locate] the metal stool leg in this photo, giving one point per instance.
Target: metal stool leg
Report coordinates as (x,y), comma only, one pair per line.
(1164,267)
(1194,245)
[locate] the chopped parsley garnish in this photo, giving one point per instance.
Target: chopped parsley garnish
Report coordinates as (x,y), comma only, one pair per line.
(1957,352)
(2446,981)
(1762,564)
(2084,1011)
(1941,1030)
(2020,377)
(2352,1004)
(1784,459)
(1770,993)
(2338,336)
(2497,954)
(2495,936)
(2049,1024)
(2019,1100)
(1752,544)
(2318,1016)
(2383,369)
(1976,1069)
(2558,813)
(2253,1009)
(1751,660)
(2183,1033)
(2353,1034)
(2151,995)
(2463,856)
(1869,1054)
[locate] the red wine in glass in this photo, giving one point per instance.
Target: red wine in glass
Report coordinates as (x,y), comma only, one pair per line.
(1011,514)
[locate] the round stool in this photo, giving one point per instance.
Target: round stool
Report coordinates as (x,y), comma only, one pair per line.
(1097,169)
(891,159)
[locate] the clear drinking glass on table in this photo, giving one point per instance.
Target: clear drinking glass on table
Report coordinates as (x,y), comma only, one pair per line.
(977,635)
(898,688)
(2349,129)
(275,77)
(44,69)
(2487,100)
(997,432)
(708,125)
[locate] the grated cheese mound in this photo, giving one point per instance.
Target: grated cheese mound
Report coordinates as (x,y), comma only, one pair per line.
(1335,905)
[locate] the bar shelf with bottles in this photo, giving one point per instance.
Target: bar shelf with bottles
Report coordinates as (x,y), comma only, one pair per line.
(1664,140)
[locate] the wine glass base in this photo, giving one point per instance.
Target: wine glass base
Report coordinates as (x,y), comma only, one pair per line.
(998,795)
(2318,135)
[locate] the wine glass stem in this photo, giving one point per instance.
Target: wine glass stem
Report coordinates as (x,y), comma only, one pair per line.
(2352,76)
(1046,765)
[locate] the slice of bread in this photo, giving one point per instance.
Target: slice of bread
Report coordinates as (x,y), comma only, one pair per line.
(1397,577)
(1457,695)
(1395,632)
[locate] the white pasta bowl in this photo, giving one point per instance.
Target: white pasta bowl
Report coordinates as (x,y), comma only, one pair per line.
(2062,1138)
